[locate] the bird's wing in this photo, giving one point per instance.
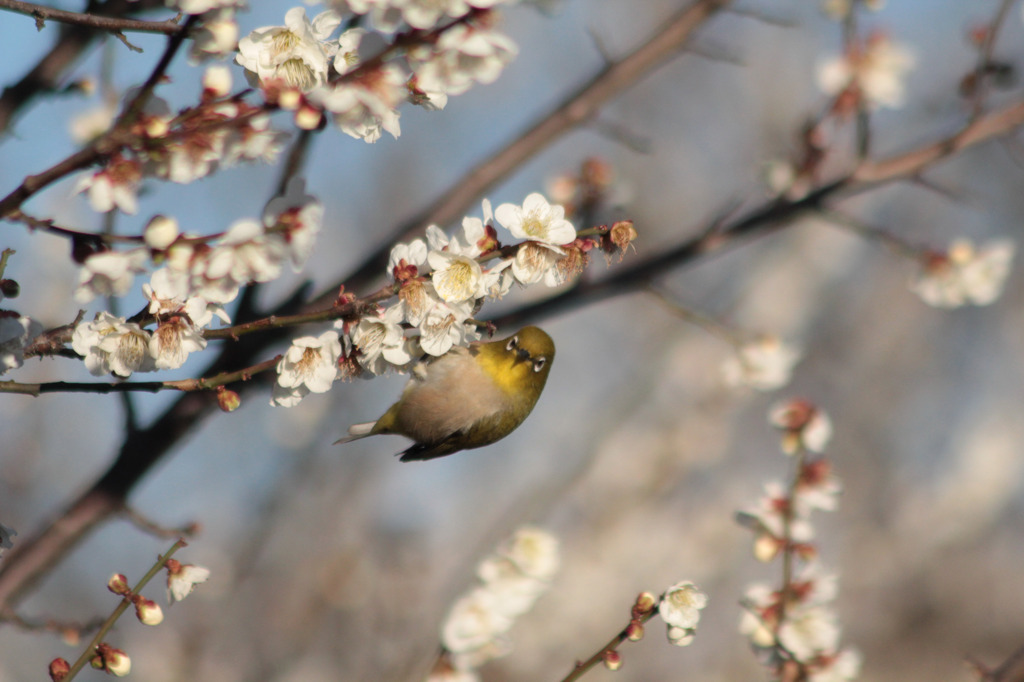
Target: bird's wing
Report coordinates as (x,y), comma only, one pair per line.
(420,452)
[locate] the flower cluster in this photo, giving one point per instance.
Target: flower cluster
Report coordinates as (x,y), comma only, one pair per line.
(303,69)
(795,627)
(512,579)
(199,276)
(964,275)
(216,133)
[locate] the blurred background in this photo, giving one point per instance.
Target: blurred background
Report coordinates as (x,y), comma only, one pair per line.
(340,563)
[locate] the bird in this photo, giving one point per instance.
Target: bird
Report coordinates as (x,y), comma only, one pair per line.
(467,398)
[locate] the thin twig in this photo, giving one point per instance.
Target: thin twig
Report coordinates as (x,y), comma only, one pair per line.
(41,13)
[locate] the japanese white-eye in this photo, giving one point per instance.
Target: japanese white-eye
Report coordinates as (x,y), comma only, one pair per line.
(467,398)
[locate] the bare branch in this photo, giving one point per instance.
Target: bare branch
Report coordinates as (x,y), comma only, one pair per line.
(96,21)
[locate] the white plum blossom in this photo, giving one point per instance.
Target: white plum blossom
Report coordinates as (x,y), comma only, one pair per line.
(681,605)
(534,551)
(347,56)
(808,632)
(512,579)
(764,364)
(172,341)
(16,331)
(444,326)
(405,256)
(536,261)
(474,621)
(246,253)
(115,186)
(876,68)
(91,123)
(299,216)
(456,278)
(216,35)
(380,341)
(804,426)
(182,579)
(536,220)
(463,55)
(111,344)
(296,53)
(310,365)
(965,275)
(364,108)
(109,273)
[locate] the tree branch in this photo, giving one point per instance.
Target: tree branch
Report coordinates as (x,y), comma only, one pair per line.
(41,13)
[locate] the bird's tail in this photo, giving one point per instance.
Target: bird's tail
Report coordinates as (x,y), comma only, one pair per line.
(357,431)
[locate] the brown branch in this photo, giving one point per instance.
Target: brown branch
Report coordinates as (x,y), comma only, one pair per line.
(911,163)
(41,13)
(771,217)
(200,384)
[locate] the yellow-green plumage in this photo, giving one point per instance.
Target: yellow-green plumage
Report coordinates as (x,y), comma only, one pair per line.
(469,397)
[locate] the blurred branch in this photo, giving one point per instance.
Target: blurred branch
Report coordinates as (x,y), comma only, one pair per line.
(1011,670)
(979,79)
(41,13)
(771,217)
(70,44)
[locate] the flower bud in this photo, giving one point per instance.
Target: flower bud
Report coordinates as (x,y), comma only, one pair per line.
(766,548)
(118,584)
(148,611)
(59,669)
(308,118)
(217,81)
(645,603)
(635,631)
(160,232)
(227,400)
(118,663)
(612,660)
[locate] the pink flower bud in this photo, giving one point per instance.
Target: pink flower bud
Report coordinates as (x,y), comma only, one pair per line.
(118,584)
(612,660)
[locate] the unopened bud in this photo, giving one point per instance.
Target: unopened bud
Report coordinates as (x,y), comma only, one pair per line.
(766,548)
(612,660)
(217,81)
(156,127)
(308,118)
(114,661)
(118,584)
(160,232)
(645,603)
(289,99)
(228,400)
(635,631)
(148,612)
(59,669)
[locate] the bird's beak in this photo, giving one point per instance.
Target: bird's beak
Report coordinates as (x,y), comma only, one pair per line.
(522,354)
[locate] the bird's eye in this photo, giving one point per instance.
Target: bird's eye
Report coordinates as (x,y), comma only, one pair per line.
(539,363)
(512,343)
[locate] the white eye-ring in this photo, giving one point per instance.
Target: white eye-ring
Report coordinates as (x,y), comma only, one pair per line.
(512,343)
(539,363)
